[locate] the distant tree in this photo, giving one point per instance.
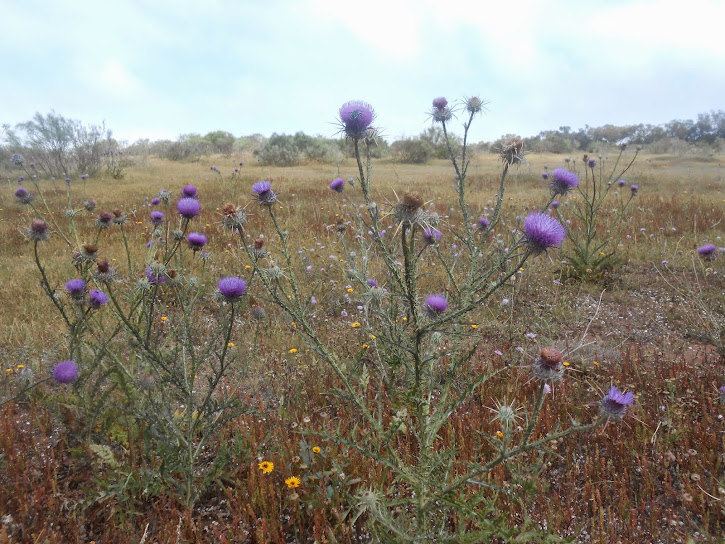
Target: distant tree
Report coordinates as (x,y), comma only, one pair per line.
(59,146)
(435,138)
(220,142)
(279,150)
(188,147)
(411,151)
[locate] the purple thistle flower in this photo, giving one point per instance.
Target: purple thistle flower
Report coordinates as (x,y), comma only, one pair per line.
(84,177)
(232,288)
(372,283)
(707,251)
(634,187)
(153,278)
(431,235)
(196,240)
(483,223)
(76,288)
(98,298)
(542,232)
(157,217)
(155,201)
(189,190)
(264,192)
(356,117)
(21,179)
(436,304)
(65,372)
(562,181)
(23,195)
(188,207)
(68,180)
(614,404)
(721,389)
(38,230)
(440,102)
(592,163)
(104,220)
(338,185)
(555,204)
(545,175)
(621,183)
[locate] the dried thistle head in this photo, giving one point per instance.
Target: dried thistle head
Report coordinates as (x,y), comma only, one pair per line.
(90,248)
(411,201)
(512,152)
(409,210)
(551,356)
(233,217)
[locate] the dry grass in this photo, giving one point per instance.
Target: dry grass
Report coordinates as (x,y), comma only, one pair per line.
(658,478)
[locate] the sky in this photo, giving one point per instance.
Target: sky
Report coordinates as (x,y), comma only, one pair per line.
(160,68)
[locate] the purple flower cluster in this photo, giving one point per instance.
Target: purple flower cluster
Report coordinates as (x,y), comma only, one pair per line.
(65,372)
(483,223)
(38,231)
(431,235)
(154,278)
(338,185)
(441,112)
(76,288)
(232,288)
(97,298)
(23,195)
(707,252)
(157,217)
(188,207)
(356,117)
(436,304)
(264,192)
(563,181)
(196,240)
(189,191)
(542,232)
(614,404)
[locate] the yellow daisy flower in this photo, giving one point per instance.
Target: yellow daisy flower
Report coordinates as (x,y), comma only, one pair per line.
(293,482)
(266,466)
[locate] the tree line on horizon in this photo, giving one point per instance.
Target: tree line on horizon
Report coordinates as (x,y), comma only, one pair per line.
(58,146)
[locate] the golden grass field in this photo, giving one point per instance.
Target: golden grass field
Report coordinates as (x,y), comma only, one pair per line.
(650,327)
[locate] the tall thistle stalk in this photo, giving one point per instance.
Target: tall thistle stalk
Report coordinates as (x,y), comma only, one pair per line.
(416,371)
(593,253)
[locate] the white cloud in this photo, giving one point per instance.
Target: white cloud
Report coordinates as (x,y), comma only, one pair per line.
(392,28)
(116,79)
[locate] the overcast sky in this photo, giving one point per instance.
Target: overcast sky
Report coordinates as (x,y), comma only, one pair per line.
(160,68)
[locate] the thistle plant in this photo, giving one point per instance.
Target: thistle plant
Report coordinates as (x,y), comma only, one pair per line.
(419,365)
(141,364)
(593,252)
